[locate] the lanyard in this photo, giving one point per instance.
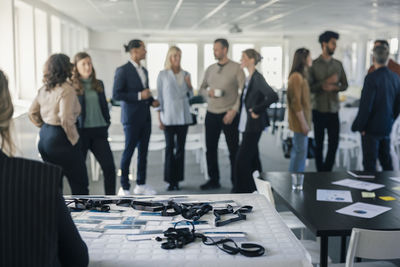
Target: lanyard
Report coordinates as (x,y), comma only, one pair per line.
(218,213)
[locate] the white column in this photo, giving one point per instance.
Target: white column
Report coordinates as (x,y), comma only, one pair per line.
(7,52)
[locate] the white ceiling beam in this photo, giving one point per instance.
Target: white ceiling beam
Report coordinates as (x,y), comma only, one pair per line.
(245,15)
(136,7)
(212,13)
(275,17)
(178,5)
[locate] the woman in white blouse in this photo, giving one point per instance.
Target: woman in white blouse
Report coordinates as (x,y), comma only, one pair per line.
(174,90)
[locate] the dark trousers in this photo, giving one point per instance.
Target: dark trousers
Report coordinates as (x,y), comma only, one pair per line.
(95,139)
(214,125)
(135,137)
(175,138)
(54,147)
(330,122)
(247,161)
(374,147)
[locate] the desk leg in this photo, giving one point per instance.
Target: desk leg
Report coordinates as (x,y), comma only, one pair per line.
(343,249)
(323,259)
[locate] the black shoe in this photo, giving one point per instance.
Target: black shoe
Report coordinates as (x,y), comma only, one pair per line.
(171,187)
(210,185)
(177,187)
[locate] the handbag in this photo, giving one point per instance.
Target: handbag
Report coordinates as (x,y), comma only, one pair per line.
(311,148)
(287,145)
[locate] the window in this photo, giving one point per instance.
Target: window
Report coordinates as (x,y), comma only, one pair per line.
(271,65)
(237,50)
(55,35)
(155,61)
(189,60)
(208,55)
(25,51)
(394,45)
(41,44)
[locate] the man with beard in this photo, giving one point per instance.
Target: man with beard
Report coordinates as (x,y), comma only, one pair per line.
(221,85)
(326,78)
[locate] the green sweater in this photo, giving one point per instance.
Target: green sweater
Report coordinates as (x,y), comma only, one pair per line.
(93,115)
(320,70)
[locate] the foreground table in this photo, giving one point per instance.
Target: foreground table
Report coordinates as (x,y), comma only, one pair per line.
(263,226)
(321,217)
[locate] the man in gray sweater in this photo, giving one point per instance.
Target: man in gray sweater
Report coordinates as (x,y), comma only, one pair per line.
(221,86)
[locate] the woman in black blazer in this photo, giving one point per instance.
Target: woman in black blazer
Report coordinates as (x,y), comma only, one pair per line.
(94,119)
(256,97)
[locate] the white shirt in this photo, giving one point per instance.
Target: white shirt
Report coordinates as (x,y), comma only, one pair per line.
(243,112)
(141,74)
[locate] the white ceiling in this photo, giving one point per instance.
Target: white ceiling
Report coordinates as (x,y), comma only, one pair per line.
(218,16)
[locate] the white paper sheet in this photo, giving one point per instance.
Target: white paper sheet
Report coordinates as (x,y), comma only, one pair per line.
(358,184)
(396,179)
(363,210)
(361,175)
(334,195)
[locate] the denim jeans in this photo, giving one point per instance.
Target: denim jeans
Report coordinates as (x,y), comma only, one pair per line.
(298,155)
(376,147)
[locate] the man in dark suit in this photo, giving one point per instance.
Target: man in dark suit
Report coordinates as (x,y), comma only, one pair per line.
(379,107)
(131,87)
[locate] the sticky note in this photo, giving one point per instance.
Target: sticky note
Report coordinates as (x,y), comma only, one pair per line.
(387,198)
(396,188)
(368,194)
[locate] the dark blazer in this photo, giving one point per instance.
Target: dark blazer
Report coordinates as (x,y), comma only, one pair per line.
(259,97)
(127,85)
(103,106)
(379,103)
(36,228)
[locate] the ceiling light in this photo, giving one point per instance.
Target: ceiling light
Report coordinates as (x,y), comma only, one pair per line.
(113,1)
(248,2)
(375,4)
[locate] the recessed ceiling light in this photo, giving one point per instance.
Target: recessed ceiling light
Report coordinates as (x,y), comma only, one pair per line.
(375,4)
(113,1)
(248,2)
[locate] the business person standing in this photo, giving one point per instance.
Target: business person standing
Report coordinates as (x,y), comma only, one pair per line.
(257,96)
(131,87)
(174,88)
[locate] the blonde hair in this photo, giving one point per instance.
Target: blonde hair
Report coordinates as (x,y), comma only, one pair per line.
(6,113)
(172,51)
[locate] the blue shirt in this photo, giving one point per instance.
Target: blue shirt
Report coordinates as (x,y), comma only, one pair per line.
(174,99)
(379,103)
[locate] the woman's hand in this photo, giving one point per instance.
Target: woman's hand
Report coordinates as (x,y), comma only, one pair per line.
(161,126)
(188,82)
(253,115)
(305,129)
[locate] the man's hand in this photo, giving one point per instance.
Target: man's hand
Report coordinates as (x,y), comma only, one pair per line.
(253,115)
(363,133)
(334,78)
(229,116)
(155,104)
(330,84)
(145,94)
(211,93)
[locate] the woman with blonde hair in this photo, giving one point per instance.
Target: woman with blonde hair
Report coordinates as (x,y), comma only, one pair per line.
(55,111)
(94,119)
(174,90)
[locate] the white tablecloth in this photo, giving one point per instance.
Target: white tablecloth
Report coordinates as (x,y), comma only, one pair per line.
(263,226)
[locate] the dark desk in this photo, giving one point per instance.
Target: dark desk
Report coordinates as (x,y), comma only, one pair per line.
(321,217)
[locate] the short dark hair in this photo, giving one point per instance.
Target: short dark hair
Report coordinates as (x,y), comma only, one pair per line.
(381,54)
(383,42)
(327,36)
(58,69)
(223,42)
(135,43)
